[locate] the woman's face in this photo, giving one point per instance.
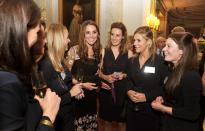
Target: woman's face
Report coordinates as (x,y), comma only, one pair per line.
(32,36)
(116,36)
(172,52)
(140,44)
(91,35)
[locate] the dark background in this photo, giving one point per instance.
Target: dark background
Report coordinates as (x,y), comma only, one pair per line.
(88,10)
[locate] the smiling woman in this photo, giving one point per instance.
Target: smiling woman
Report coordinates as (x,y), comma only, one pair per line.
(83,60)
(181,99)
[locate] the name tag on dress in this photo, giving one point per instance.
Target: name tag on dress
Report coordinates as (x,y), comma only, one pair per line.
(149,69)
(63,75)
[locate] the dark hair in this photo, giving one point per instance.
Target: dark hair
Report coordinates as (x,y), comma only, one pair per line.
(83,49)
(188,60)
(123,46)
(178,29)
(16,18)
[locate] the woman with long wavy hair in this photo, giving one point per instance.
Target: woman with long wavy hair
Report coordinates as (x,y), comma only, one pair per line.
(83,60)
(58,77)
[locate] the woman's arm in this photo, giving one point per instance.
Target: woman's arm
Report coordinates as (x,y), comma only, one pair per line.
(158,105)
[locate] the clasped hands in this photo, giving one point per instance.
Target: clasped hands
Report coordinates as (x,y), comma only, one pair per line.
(112,78)
(157,104)
(136,96)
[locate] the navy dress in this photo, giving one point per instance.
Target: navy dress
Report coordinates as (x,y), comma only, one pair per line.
(110,108)
(149,80)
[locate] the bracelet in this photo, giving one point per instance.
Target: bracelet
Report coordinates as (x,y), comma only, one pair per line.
(46,121)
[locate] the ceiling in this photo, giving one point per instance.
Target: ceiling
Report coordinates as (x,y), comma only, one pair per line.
(189,13)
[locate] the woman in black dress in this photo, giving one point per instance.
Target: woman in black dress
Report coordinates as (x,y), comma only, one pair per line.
(181,101)
(113,72)
(83,60)
(146,75)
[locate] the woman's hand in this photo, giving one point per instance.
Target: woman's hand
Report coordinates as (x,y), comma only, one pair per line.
(136,96)
(157,105)
(119,75)
(109,78)
(80,96)
(50,104)
(140,97)
(89,86)
(131,95)
(159,99)
(105,86)
(76,90)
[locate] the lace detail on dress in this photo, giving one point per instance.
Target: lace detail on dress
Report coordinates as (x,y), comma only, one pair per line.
(86,123)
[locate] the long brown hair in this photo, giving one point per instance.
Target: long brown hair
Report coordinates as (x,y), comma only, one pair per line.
(188,60)
(123,45)
(16,18)
(83,49)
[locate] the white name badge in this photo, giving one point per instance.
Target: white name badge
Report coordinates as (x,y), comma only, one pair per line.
(63,75)
(149,69)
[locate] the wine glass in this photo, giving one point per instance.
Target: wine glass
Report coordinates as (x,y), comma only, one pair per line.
(39,84)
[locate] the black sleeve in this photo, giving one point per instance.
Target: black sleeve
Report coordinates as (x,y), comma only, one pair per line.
(12,107)
(54,82)
(129,82)
(191,87)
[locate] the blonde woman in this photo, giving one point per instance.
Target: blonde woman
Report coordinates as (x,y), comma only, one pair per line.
(57,77)
(146,73)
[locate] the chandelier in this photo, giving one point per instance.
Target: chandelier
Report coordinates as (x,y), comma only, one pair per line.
(153,22)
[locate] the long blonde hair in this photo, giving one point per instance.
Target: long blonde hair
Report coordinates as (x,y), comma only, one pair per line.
(56,45)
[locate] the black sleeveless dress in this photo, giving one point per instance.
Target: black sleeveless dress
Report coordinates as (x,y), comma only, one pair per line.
(86,108)
(110,109)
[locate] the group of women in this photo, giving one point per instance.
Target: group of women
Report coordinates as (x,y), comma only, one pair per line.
(134,89)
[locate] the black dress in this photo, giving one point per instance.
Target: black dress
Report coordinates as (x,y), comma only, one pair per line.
(55,81)
(149,80)
(185,103)
(86,108)
(18,109)
(110,108)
